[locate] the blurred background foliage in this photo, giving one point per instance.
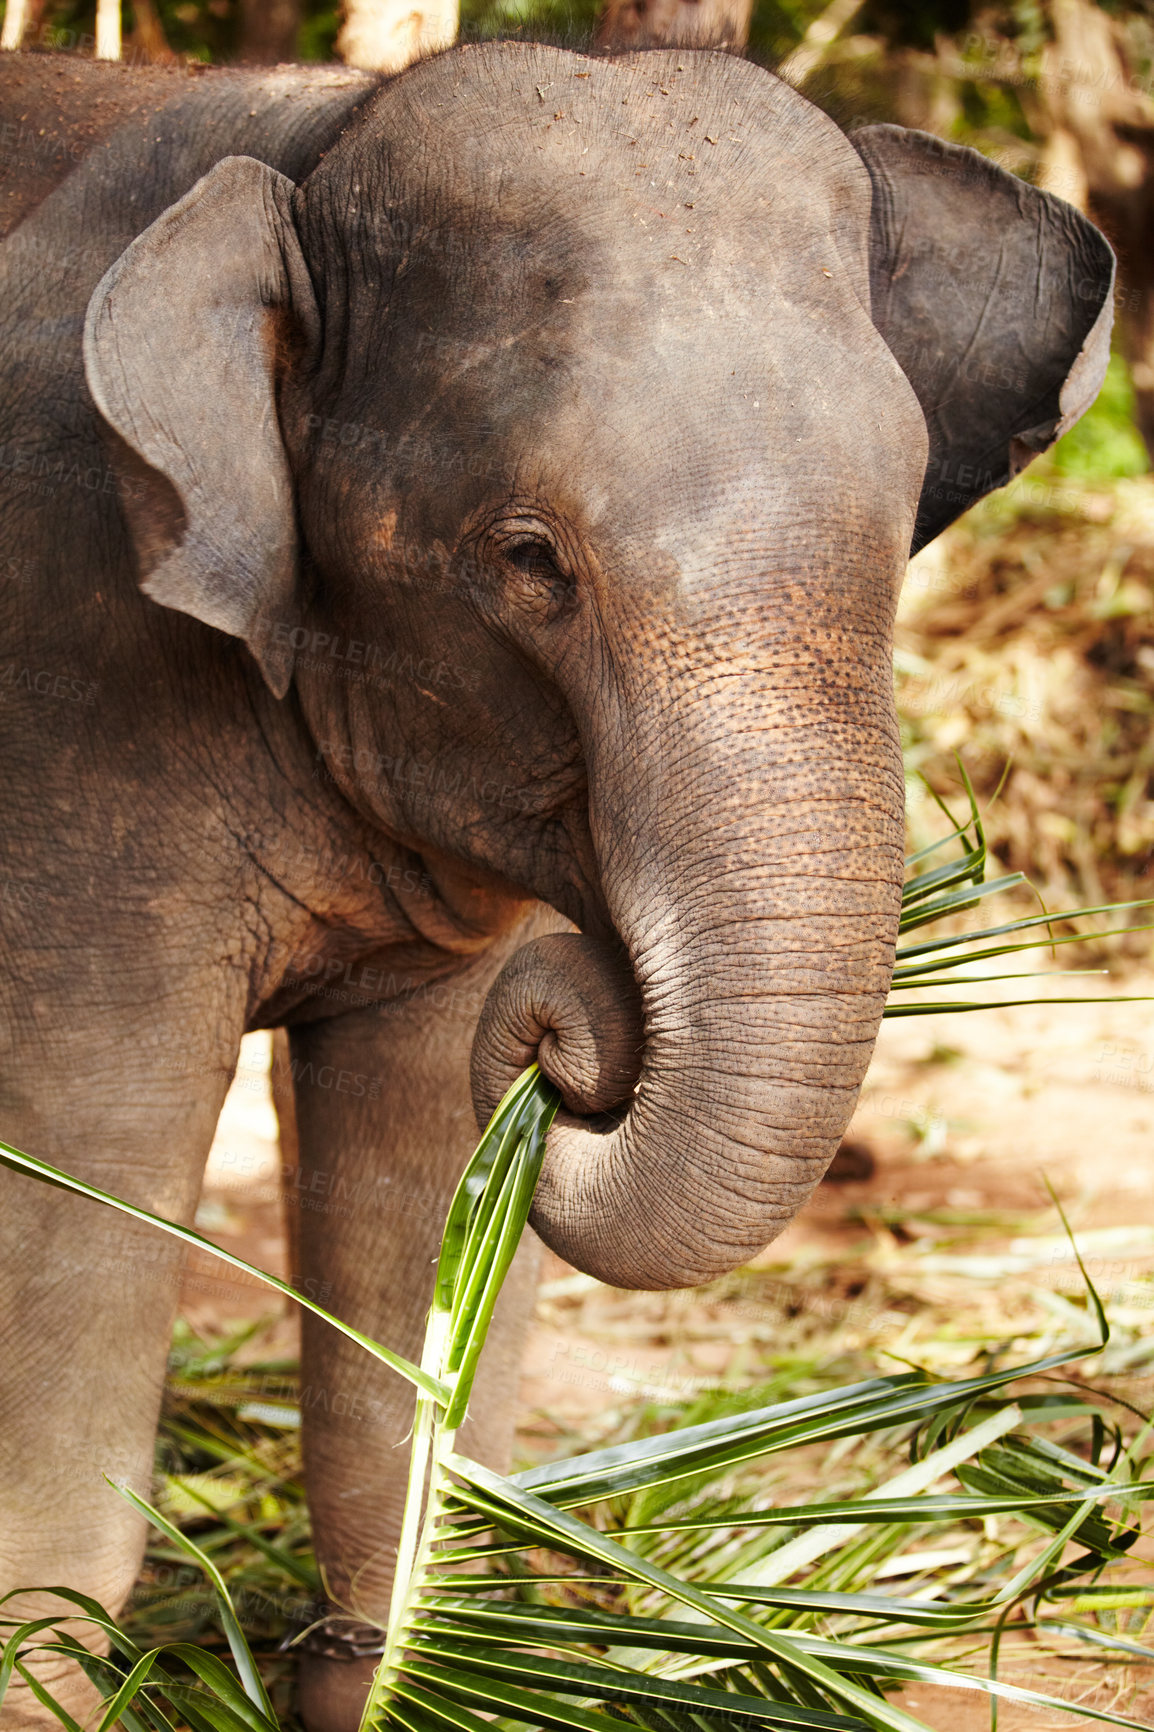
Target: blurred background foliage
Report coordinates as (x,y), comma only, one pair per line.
(1027,630)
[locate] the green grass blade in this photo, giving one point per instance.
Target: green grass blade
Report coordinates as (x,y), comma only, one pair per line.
(135,1681)
(873,1660)
(575,1478)
(19,1636)
(93,1612)
(432,1709)
(300,1570)
(495,1255)
(916,890)
(253,1685)
(927,946)
(956,901)
(224,1687)
(936,847)
(926,968)
(504,1623)
(47,1700)
(1096,1638)
(515,1621)
(489,1694)
(512,1123)
(482,1256)
(18,1162)
(957,1006)
(142,1715)
(204,1711)
(727,1443)
(444,1711)
(915,979)
(487,1215)
(413,1720)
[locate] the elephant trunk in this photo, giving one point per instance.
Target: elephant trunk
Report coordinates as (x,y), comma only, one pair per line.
(709,1066)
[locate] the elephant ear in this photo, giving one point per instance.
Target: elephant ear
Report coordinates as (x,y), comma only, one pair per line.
(995,300)
(180,347)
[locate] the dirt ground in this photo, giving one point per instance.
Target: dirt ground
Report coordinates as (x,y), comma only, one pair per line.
(965,1118)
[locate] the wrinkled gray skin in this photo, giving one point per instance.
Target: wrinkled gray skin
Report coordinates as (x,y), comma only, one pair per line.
(490,490)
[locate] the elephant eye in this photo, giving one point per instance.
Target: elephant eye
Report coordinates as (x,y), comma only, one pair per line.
(533,558)
(535,562)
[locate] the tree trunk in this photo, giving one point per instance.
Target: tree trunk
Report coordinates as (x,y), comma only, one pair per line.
(108,29)
(268,30)
(20,20)
(818,39)
(15,19)
(146,38)
(1101,145)
(385,35)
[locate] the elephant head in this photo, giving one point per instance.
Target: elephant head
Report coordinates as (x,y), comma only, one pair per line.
(610,396)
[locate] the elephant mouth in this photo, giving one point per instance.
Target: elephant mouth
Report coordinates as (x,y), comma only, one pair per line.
(602,1124)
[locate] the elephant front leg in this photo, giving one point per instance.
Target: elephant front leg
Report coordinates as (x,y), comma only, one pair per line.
(385,1127)
(87,1299)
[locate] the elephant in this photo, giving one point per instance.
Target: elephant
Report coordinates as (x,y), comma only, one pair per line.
(453,528)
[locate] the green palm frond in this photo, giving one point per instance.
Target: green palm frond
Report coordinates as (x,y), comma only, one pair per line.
(953,887)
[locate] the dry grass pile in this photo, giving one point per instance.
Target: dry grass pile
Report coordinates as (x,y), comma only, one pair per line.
(1026,637)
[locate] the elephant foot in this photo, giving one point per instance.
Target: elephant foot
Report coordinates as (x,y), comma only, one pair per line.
(331,1693)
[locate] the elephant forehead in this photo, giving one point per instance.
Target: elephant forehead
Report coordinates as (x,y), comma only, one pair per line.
(603,272)
(513,226)
(506,163)
(693,373)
